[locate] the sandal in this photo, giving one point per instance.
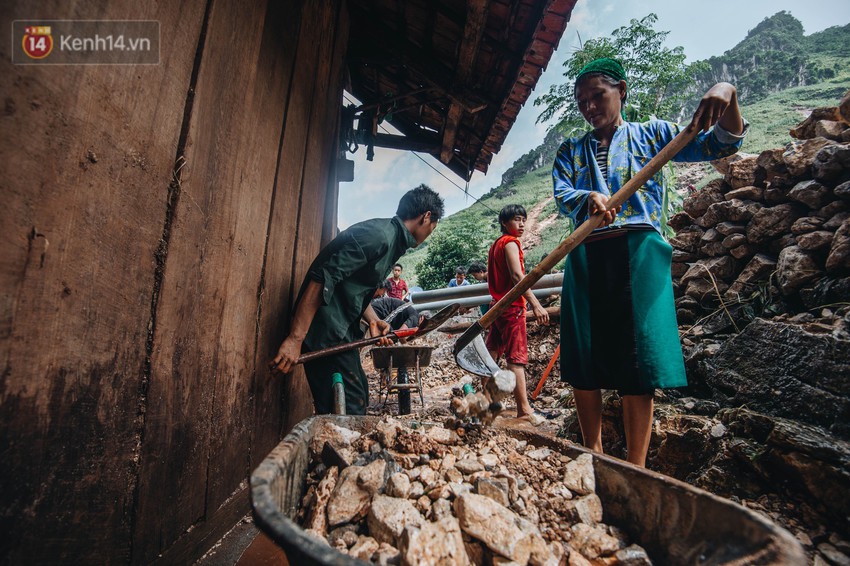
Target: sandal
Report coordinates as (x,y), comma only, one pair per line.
(535,419)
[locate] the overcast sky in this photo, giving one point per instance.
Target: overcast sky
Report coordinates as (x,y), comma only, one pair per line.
(703,29)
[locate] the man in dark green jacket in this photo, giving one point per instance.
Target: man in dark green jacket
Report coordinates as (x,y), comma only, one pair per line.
(337,290)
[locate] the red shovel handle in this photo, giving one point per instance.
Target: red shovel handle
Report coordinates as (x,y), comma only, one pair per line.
(394,336)
(546,373)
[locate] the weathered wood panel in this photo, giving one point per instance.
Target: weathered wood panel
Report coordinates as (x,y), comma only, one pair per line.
(319,156)
(84,186)
(336,84)
(200,411)
(322,138)
(276,285)
(138,308)
(285,225)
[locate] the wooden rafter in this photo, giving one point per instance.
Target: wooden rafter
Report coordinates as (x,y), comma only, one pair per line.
(426,69)
(476,18)
(478,60)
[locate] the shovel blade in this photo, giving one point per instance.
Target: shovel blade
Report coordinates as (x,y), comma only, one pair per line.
(475,358)
(438,319)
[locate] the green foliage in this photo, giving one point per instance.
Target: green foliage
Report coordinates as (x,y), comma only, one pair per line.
(446,251)
(831,41)
(542,155)
(658,76)
(551,236)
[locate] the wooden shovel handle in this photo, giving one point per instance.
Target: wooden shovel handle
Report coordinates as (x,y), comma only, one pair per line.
(394,336)
(654,166)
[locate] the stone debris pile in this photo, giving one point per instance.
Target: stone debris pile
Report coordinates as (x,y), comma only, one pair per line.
(433,496)
(779,221)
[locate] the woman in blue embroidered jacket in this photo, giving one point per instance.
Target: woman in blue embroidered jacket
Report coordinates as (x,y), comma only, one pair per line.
(618,320)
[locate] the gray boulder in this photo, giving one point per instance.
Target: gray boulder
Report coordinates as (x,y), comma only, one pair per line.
(795,268)
(797,373)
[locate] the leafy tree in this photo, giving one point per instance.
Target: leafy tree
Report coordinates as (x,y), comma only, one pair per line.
(658,76)
(447,250)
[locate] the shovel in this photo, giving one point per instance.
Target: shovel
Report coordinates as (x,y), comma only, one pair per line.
(427,326)
(470,352)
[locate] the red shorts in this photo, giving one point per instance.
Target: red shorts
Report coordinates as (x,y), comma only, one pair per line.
(508,336)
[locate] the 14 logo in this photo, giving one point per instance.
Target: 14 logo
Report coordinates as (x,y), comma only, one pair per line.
(37,42)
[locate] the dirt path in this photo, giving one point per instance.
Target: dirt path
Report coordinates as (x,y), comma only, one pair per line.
(534,226)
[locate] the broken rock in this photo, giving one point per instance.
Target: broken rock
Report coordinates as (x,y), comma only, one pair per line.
(388,516)
(839,253)
(579,476)
(593,541)
(349,502)
(434,544)
(496,526)
(494,488)
(586,509)
(795,268)
(398,485)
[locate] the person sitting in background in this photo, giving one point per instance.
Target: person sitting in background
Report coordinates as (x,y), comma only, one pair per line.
(398,286)
(384,305)
(477,271)
(460,278)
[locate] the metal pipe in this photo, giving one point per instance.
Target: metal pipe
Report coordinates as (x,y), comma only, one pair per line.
(477,289)
(478,300)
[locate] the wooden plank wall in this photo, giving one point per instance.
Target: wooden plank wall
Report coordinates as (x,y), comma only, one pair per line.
(156,223)
(325,60)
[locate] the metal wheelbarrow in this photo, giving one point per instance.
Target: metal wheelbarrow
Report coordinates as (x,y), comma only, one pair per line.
(401,358)
(675,522)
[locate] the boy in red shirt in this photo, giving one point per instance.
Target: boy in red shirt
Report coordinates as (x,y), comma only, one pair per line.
(508,336)
(398,289)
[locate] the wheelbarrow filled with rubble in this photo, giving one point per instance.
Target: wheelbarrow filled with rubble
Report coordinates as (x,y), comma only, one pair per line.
(358,490)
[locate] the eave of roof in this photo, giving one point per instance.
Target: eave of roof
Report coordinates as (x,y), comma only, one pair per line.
(453,74)
(545,41)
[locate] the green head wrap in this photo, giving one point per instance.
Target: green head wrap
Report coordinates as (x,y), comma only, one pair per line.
(606,66)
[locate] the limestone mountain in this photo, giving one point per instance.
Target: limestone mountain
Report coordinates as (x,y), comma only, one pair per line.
(776,55)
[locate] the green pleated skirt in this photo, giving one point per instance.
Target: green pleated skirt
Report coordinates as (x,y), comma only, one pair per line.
(618,319)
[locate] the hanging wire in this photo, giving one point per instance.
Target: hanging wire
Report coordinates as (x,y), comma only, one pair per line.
(466,191)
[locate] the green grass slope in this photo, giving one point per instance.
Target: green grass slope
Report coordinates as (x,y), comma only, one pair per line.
(772,117)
